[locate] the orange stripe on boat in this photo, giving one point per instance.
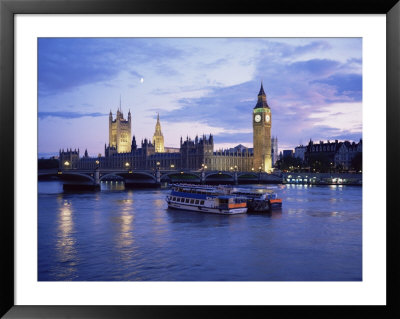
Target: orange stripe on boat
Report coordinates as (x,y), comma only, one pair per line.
(237,205)
(272,201)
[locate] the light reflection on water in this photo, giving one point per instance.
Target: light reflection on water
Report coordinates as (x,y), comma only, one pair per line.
(66,241)
(118,234)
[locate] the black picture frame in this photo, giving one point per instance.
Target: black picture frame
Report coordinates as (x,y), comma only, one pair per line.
(8,8)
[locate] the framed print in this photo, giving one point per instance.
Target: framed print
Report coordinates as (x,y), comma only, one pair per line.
(171,159)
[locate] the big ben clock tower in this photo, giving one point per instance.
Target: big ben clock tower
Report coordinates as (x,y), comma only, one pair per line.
(262,134)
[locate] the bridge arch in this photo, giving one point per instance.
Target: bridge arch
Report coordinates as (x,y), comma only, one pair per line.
(219,177)
(125,175)
(248,174)
(219,174)
(67,175)
(107,176)
(181,176)
(48,176)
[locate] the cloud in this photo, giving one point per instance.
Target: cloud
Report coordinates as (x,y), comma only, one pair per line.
(279,49)
(233,138)
(68,63)
(314,67)
(136,74)
(68,115)
(349,85)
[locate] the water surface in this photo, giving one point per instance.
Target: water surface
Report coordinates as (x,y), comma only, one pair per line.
(131,235)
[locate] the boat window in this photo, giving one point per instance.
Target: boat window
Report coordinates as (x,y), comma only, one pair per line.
(197,202)
(202,202)
(192,201)
(187,200)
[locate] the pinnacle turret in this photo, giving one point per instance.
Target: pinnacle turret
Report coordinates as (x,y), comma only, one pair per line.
(262,99)
(261,90)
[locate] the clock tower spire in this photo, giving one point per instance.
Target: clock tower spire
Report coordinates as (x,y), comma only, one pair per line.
(262,134)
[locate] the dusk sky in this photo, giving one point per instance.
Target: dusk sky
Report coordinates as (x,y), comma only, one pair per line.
(198,86)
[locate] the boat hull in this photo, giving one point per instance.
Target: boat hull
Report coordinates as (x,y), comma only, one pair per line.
(211,210)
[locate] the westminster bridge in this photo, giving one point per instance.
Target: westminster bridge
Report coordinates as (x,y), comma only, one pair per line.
(91,179)
(81,178)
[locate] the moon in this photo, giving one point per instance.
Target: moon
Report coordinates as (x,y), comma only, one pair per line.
(141,80)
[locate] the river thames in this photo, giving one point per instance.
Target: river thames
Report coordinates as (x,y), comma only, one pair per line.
(131,235)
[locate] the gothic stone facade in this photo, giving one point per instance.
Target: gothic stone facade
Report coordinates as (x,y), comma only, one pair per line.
(158,137)
(262,133)
(120,132)
(195,154)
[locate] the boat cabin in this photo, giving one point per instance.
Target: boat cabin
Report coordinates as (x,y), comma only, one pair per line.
(228,202)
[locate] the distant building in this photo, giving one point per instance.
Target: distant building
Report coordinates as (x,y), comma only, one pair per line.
(322,152)
(274,150)
(346,153)
(238,148)
(299,152)
(172,149)
(287,153)
(334,154)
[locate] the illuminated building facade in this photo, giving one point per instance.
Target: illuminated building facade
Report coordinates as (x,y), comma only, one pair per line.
(158,138)
(193,154)
(120,132)
(262,121)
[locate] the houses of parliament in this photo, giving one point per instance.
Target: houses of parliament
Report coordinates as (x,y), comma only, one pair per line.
(123,151)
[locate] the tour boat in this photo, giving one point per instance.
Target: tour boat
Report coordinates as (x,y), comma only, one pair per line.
(258,201)
(205,199)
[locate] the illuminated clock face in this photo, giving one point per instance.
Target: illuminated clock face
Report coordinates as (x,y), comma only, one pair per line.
(267,118)
(257,118)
